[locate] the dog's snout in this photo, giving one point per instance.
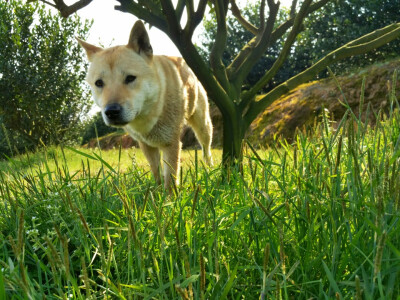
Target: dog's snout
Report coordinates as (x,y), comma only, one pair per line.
(113,111)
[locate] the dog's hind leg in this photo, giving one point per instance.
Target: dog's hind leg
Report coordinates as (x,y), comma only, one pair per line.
(153,157)
(171,158)
(201,124)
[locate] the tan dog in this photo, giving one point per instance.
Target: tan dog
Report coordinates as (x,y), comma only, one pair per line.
(151,97)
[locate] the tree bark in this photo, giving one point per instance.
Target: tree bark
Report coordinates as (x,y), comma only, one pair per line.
(232,140)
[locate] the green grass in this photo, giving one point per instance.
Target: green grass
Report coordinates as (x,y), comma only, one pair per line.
(318,219)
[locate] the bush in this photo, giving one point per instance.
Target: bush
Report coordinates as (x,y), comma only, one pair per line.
(42,71)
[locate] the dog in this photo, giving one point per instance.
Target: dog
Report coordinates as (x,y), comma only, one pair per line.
(152,97)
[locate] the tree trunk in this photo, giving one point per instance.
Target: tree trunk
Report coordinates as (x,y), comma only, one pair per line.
(233,134)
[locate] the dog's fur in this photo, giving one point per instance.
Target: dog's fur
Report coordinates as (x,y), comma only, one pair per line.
(151,97)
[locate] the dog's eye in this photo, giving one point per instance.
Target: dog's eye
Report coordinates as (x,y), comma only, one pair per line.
(129,79)
(99,83)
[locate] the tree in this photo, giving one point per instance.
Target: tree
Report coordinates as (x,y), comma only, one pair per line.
(341,21)
(336,23)
(224,83)
(42,98)
(239,36)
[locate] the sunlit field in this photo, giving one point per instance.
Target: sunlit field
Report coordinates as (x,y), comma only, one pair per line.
(315,219)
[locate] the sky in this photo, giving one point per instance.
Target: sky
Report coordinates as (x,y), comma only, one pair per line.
(111,27)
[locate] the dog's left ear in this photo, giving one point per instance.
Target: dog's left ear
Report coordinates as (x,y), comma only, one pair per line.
(139,40)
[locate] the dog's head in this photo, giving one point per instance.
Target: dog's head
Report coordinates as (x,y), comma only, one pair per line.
(122,77)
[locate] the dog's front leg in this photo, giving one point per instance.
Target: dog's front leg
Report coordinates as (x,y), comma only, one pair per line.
(152,155)
(171,157)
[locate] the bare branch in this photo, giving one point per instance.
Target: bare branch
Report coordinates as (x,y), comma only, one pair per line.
(219,45)
(246,24)
(214,90)
(276,34)
(281,29)
(195,19)
(44,1)
(361,45)
(174,26)
(262,15)
(190,7)
(180,6)
(293,9)
(239,69)
(66,10)
(139,11)
(151,6)
(284,53)
(201,8)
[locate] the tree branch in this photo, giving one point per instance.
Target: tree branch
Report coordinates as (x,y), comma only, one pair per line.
(195,19)
(44,1)
(276,34)
(255,53)
(237,14)
(66,10)
(151,6)
(135,9)
(189,11)
(219,45)
(198,16)
(214,89)
(174,26)
(361,45)
(293,9)
(281,29)
(180,6)
(262,15)
(248,96)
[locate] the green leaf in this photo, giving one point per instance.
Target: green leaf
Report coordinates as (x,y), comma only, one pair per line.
(331,280)
(229,284)
(2,287)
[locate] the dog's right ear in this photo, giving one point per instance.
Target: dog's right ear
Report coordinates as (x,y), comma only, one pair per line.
(89,48)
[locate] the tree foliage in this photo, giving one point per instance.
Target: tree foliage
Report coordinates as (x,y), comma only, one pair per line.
(333,25)
(341,21)
(42,98)
(224,83)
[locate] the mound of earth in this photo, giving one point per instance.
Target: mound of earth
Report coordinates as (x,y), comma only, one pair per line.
(112,140)
(298,108)
(301,106)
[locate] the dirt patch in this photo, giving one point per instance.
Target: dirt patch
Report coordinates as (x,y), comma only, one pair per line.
(112,141)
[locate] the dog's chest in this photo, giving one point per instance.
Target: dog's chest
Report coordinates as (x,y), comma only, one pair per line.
(160,135)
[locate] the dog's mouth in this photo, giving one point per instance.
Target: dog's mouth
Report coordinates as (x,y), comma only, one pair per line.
(114,115)
(115,123)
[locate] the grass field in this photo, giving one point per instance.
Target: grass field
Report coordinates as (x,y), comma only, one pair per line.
(317,219)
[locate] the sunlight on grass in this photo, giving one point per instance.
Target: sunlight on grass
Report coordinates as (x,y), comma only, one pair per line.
(123,159)
(316,219)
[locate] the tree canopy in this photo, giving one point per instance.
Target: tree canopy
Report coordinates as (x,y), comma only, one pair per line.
(327,28)
(42,98)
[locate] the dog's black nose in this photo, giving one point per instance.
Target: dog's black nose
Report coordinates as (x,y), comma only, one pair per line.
(113,111)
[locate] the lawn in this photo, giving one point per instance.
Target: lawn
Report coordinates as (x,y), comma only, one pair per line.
(315,219)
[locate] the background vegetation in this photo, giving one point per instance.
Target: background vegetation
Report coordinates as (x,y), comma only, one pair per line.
(335,24)
(43,99)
